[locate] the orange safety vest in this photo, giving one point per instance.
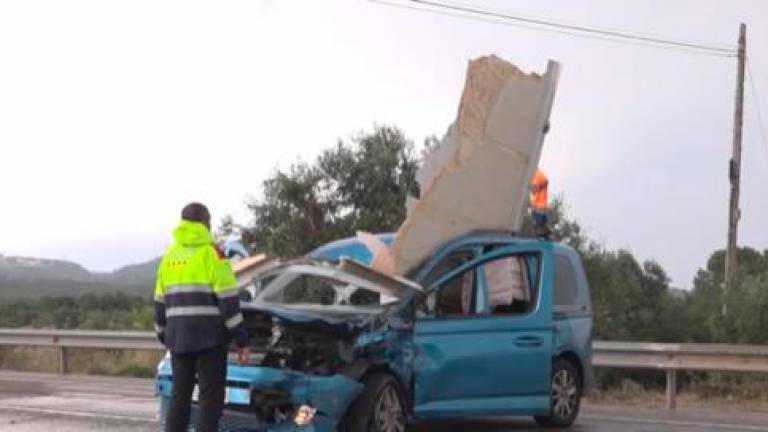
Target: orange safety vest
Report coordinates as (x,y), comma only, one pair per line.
(539,194)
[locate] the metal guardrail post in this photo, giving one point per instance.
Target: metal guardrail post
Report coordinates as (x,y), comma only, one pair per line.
(671,389)
(63,367)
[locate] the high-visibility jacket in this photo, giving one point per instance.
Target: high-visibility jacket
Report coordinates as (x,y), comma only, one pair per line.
(196,297)
(539,191)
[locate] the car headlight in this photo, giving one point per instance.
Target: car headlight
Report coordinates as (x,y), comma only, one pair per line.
(304,415)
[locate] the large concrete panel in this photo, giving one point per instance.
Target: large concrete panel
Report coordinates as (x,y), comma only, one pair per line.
(477,178)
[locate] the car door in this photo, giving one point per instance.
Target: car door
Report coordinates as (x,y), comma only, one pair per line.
(476,358)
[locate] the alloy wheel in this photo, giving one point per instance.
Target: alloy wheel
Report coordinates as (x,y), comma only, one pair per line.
(564,394)
(388,413)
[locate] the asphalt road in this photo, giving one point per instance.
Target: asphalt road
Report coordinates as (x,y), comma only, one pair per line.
(43,403)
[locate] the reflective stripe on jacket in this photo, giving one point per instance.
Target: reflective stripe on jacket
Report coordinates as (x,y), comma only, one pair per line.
(196,297)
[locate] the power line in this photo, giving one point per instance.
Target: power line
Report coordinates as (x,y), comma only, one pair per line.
(573,27)
(538,24)
(756,101)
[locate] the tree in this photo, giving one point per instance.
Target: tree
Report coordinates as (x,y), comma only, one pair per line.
(360,185)
(372,179)
(292,216)
(114,311)
(744,303)
(631,300)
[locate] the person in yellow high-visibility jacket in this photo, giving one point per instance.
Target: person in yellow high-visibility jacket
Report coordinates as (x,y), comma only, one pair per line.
(540,199)
(197,315)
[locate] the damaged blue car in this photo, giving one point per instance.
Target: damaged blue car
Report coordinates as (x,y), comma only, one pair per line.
(491,324)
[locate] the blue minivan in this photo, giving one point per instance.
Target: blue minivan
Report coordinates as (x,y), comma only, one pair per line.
(491,324)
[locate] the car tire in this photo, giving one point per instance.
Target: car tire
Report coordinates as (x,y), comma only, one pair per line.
(379,408)
(566,390)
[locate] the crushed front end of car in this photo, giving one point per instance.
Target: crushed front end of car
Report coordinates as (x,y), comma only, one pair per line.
(316,329)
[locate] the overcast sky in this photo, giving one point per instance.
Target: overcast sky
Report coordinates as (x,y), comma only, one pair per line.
(115,114)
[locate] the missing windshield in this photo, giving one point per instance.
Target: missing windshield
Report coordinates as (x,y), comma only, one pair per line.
(294,287)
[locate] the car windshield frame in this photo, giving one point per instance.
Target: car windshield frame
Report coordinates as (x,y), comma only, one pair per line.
(351,274)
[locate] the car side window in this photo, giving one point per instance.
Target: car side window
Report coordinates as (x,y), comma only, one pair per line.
(454,298)
(451,262)
(511,286)
(566,289)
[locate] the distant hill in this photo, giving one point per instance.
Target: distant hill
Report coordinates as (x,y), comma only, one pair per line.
(35,277)
(24,268)
(34,288)
(137,272)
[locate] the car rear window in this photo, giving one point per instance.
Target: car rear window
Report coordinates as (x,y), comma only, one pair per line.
(566,288)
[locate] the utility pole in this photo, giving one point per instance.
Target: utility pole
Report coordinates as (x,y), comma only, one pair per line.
(734,167)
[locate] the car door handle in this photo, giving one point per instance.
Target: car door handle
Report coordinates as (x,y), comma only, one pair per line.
(529,341)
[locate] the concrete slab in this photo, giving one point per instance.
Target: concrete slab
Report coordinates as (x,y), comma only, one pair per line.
(477,178)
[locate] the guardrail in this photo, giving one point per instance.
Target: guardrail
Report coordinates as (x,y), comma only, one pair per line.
(62,340)
(631,355)
(676,357)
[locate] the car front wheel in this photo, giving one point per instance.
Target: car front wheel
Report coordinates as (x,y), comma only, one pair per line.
(379,408)
(566,390)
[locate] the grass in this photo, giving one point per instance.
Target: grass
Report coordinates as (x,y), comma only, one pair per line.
(127,363)
(743,391)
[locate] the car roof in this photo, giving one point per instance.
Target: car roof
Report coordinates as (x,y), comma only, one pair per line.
(350,247)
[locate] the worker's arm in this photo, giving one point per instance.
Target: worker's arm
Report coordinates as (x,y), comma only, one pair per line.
(225,288)
(159,303)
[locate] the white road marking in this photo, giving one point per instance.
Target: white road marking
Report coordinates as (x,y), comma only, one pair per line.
(675,423)
(77,414)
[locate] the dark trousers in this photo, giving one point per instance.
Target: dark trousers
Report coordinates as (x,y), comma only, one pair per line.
(540,217)
(541,222)
(210,366)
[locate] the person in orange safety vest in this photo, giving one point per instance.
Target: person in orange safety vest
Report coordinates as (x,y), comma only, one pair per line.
(539,198)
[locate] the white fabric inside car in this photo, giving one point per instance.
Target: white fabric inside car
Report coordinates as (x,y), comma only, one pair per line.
(507,281)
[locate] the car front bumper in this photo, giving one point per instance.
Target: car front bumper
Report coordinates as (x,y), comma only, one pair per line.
(330,395)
